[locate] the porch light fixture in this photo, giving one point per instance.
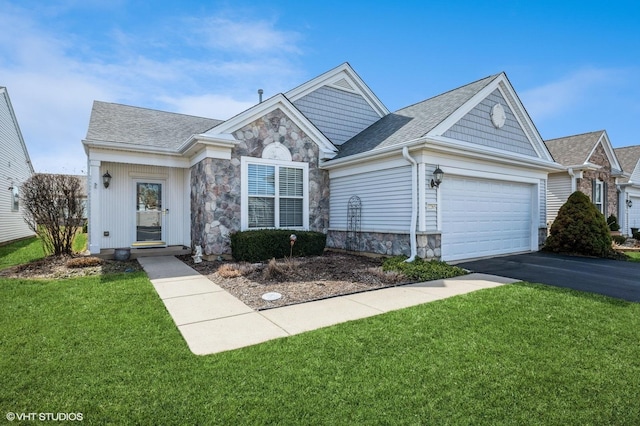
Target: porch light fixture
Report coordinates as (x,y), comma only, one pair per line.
(438,174)
(629,203)
(106,179)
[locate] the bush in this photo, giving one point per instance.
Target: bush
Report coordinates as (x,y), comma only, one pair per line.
(579,228)
(265,244)
(619,239)
(612,222)
(422,270)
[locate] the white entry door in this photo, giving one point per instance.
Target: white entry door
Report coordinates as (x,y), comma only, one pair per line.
(149,214)
(482,217)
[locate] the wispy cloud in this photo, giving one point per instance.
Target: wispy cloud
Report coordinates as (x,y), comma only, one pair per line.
(570,92)
(211,67)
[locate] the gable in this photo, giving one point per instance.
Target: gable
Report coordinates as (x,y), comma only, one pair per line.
(476,127)
(14,151)
(339,114)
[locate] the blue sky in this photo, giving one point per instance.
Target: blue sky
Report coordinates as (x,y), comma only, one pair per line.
(574,64)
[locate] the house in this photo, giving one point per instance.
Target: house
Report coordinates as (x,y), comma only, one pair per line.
(629,184)
(15,168)
(326,156)
(591,166)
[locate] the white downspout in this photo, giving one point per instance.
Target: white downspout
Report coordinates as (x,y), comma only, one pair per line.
(414,202)
(573,180)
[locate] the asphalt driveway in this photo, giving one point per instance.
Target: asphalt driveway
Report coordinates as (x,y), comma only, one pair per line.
(609,277)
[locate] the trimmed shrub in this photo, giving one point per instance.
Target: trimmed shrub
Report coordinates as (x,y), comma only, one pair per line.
(579,228)
(612,222)
(264,244)
(619,239)
(422,270)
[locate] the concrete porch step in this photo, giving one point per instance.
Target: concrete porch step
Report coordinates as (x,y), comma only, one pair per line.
(147,252)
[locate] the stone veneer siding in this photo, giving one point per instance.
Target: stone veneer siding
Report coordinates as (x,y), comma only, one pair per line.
(216,184)
(428,245)
(585,184)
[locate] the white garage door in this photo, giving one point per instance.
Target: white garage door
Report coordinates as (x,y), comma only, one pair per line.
(482,217)
(634,213)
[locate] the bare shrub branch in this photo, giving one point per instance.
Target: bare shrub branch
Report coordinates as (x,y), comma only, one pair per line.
(53,210)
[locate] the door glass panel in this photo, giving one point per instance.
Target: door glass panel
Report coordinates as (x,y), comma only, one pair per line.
(148,211)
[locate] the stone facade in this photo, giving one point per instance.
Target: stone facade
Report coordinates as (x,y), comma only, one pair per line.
(216,184)
(428,245)
(585,184)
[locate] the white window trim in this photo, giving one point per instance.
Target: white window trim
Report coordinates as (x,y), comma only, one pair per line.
(599,191)
(244,199)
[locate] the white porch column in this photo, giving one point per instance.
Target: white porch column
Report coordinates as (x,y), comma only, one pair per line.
(95,222)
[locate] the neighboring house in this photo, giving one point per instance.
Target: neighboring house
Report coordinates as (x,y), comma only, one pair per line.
(591,166)
(15,168)
(299,159)
(629,199)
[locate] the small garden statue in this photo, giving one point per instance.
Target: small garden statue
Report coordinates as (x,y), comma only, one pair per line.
(292,241)
(197,257)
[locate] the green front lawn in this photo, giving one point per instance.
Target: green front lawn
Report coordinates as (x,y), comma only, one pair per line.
(518,354)
(20,252)
(633,256)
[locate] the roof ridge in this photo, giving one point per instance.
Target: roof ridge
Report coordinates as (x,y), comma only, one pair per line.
(489,79)
(576,135)
(156,110)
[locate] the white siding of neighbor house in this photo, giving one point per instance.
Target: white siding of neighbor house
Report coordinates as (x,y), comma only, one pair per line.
(338,114)
(14,170)
(118,203)
(542,198)
(558,191)
(385,195)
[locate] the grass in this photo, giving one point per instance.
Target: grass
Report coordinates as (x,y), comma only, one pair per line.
(518,354)
(633,256)
(20,252)
(31,249)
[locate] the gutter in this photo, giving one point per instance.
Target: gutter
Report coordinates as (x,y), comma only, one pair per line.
(414,202)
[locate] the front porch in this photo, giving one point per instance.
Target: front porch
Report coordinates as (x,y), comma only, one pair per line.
(146,252)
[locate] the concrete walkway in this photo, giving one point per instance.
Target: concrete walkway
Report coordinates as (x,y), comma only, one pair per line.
(211,320)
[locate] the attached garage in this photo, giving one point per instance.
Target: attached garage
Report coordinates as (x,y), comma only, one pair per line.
(634,213)
(482,217)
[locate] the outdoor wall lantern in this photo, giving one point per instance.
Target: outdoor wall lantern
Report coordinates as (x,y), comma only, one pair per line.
(438,174)
(629,203)
(106,179)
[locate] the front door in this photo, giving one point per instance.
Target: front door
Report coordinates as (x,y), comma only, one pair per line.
(149,213)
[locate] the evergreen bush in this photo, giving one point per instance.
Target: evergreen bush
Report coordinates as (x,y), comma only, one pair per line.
(579,228)
(612,222)
(265,244)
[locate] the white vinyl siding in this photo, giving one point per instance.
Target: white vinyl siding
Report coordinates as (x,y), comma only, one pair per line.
(14,170)
(542,198)
(558,191)
(385,195)
(118,203)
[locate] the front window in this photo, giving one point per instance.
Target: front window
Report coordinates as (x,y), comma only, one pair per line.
(275,194)
(599,195)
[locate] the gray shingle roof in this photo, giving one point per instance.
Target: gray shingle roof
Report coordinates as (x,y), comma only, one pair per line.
(573,150)
(628,157)
(412,122)
(128,125)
